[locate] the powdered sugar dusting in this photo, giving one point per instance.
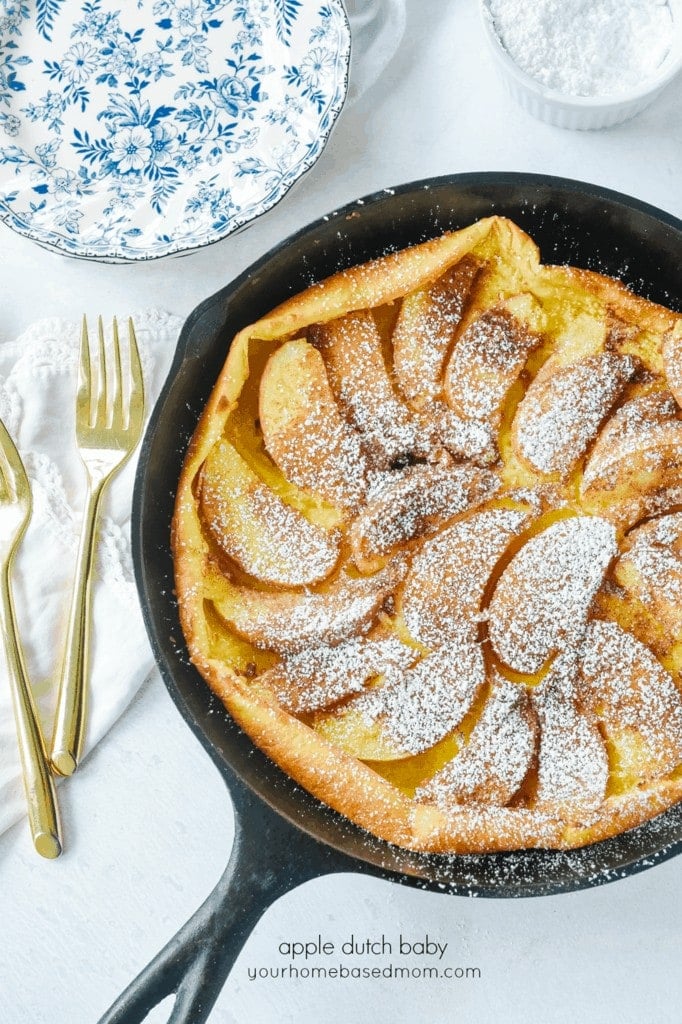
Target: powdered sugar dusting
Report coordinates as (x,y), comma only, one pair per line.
(656,556)
(494,763)
(541,601)
(290,550)
(352,351)
(395,659)
(425,328)
(573,767)
(304,433)
(269,539)
(485,362)
(325,457)
(321,676)
(290,622)
(660,570)
(444,588)
(420,498)
(641,427)
(421,705)
(561,411)
(629,689)
(672,359)
(470,439)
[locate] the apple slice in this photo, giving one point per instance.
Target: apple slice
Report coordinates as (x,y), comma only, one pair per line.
(441,426)
(320,677)
(425,328)
(485,362)
(444,588)
(635,466)
(633,697)
(413,503)
(268,539)
(303,430)
(573,766)
(495,761)
(542,599)
(650,570)
(563,408)
(352,351)
(414,708)
(346,727)
(291,621)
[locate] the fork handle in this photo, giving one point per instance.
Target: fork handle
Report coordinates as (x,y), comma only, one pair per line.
(69,728)
(40,795)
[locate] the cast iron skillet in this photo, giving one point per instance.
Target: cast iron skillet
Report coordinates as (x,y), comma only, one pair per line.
(283,836)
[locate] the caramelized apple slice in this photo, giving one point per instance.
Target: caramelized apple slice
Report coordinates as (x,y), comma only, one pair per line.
(319,677)
(425,328)
(444,588)
(635,467)
(353,355)
(650,570)
(633,697)
(268,539)
(417,707)
(441,426)
(486,361)
(573,767)
(563,408)
(290,621)
(542,598)
(495,761)
(413,503)
(303,429)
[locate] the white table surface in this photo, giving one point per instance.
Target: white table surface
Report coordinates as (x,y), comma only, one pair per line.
(148,819)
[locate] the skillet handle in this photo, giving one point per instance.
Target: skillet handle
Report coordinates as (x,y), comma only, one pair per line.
(269,858)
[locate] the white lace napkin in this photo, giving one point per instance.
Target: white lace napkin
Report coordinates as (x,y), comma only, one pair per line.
(37,403)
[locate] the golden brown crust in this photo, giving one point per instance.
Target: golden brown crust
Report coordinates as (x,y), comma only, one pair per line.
(575,314)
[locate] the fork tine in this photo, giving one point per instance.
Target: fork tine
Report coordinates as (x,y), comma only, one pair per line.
(101,408)
(117,387)
(84,394)
(136,398)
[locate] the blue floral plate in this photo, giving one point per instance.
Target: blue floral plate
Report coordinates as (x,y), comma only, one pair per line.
(131,131)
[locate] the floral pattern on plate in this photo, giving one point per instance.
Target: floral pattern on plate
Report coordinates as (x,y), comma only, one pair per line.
(135,131)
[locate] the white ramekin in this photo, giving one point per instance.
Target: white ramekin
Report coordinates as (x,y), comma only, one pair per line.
(584,112)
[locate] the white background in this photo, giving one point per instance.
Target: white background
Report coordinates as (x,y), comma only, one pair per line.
(148,818)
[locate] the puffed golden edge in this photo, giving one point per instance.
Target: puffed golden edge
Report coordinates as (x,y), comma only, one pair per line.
(328,773)
(617,297)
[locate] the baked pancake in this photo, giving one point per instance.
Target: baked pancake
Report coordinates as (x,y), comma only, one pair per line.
(428,546)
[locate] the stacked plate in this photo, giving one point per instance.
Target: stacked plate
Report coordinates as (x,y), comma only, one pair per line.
(129,132)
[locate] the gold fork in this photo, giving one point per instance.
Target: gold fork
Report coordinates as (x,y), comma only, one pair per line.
(109,418)
(15,512)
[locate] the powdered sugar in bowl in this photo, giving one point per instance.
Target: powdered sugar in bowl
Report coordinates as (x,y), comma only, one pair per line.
(585,63)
